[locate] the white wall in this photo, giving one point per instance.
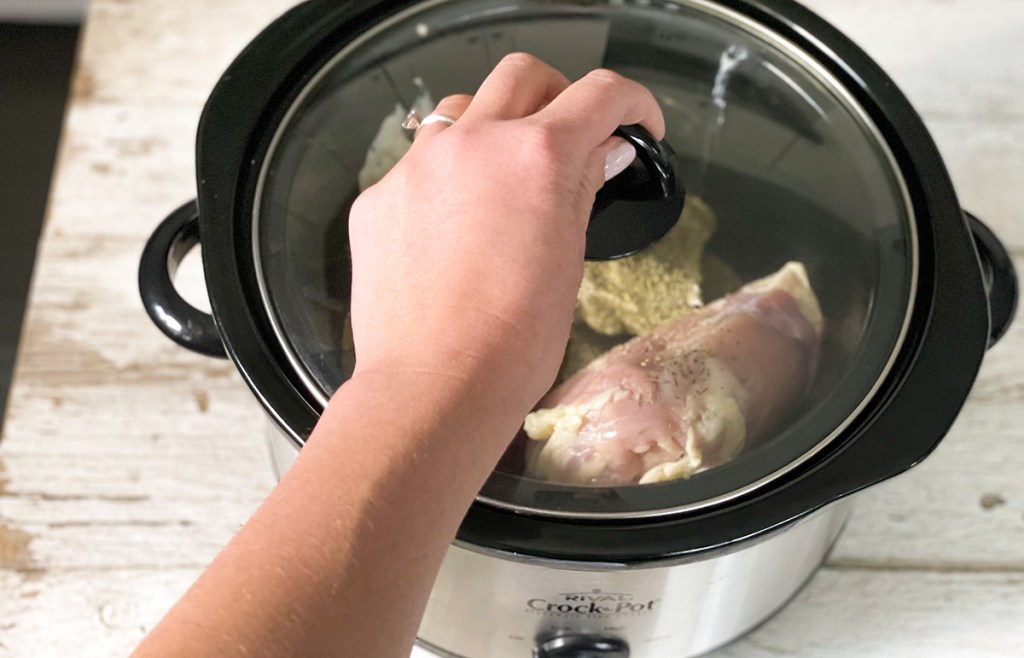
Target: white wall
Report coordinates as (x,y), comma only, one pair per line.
(42,11)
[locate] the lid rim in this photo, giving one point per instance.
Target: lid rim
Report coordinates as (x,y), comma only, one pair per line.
(573,504)
(241,322)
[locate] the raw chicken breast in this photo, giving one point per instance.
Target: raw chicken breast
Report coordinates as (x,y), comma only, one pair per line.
(687,396)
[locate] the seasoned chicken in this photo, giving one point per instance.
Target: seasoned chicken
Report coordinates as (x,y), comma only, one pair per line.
(687,396)
(635,294)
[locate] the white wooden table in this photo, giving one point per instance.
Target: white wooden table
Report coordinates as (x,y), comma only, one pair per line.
(127,462)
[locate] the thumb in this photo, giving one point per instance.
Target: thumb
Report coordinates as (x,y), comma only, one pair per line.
(619,155)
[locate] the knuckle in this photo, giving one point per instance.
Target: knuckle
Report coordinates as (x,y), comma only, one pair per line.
(546,137)
(364,202)
(605,77)
(454,100)
(519,59)
(544,153)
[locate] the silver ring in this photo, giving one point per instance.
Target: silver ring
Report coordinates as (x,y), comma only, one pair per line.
(414,122)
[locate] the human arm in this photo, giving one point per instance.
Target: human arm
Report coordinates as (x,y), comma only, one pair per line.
(466,262)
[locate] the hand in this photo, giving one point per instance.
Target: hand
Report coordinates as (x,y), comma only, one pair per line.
(467,257)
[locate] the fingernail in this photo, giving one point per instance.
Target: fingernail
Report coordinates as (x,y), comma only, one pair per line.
(620,157)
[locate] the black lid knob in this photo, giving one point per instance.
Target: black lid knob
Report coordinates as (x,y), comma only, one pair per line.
(639,206)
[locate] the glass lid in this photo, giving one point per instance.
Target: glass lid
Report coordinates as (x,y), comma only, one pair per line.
(698,370)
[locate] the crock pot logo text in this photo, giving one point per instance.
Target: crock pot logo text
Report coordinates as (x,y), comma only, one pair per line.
(591,604)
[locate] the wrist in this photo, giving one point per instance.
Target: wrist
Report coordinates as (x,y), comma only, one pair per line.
(461,415)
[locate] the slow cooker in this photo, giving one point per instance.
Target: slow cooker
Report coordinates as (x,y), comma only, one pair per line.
(802,149)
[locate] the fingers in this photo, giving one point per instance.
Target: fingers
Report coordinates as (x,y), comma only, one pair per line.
(583,114)
(591,108)
(518,86)
(587,110)
(450,106)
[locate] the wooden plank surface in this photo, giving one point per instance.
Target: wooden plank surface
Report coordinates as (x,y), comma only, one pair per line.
(127,462)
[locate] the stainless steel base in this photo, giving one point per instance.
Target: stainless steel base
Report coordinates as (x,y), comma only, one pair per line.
(502,606)
(487,606)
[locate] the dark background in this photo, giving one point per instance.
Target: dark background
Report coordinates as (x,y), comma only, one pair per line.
(35,69)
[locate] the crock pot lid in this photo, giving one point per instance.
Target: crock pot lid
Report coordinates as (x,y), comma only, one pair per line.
(792,167)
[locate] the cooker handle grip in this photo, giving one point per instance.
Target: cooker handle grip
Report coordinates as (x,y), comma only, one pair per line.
(179,320)
(999,276)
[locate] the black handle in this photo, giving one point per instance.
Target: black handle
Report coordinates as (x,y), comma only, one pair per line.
(639,206)
(999,275)
(582,646)
(179,320)
(657,159)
